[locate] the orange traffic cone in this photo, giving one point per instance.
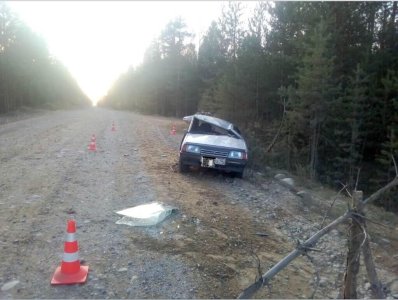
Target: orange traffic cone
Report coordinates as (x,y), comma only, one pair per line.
(113,126)
(92,146)
(173,130)
(93,138)
(70,271)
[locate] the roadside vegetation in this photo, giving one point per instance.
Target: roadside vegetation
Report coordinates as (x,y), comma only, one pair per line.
(29,76)
(313,84)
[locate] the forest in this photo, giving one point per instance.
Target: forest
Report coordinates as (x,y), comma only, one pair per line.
(313,85)
(29,76)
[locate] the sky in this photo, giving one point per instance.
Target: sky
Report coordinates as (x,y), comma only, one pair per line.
(98,40)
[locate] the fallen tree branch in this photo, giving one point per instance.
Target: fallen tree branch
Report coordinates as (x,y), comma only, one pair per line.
(257,259)
(381,191)
(372,221)
(395,165)
(345,188)
(331,206)
(302,248)
(318,277)
(376,286)
(364,232)
(265,278)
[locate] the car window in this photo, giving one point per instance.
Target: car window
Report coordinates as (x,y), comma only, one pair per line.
(220,131)
(201,127)
(237,129)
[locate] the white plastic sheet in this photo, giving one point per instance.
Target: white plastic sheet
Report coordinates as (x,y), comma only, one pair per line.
(146,214)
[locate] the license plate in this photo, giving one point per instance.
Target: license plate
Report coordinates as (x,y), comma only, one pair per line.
(207,162)
(219,161)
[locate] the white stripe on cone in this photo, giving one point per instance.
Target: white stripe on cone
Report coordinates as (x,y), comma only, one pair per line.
(70,237)
(70,257)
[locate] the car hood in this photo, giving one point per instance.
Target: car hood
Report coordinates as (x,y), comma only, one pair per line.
(215,140)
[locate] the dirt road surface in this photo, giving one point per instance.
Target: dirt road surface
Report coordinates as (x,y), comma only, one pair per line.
(209,249)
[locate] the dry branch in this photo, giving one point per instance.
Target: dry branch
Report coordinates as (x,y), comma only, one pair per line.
(318,277)
(376,287)
(306,246)
(331,205)
(279,129)
(381,191)
(265,278)
(372,221)
(395,165)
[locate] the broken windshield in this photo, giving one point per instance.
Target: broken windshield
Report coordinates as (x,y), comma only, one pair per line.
(202,127)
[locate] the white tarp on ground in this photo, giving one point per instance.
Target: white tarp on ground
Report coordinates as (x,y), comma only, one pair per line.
(146,214)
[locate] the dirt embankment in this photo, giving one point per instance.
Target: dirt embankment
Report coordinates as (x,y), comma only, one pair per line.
(210,249)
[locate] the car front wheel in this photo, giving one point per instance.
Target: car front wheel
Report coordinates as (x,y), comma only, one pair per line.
(239,174)
(182,167)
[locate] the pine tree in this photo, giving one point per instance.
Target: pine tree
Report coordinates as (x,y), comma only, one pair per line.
(389,148)
(346,130)
(211,66)
(314,92)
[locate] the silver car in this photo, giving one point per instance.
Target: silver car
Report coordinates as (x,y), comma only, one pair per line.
(212,143)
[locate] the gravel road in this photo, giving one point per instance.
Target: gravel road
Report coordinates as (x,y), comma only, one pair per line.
(209,249)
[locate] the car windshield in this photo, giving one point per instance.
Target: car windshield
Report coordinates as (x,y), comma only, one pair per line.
(201,127)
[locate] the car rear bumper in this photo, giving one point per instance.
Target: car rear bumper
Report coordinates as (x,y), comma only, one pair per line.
(231,165)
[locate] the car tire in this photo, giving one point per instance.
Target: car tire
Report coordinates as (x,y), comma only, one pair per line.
(183,167)
(239,174)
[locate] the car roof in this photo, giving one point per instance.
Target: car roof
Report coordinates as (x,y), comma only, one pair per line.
(213,120)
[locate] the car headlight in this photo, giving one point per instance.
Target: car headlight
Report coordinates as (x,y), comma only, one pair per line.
(192,148)
(235,154)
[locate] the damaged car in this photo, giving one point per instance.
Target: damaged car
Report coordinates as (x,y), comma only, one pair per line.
(212,143)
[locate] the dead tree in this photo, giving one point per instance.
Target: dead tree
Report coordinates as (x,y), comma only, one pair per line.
(354,249)
(359,241)
(355,214)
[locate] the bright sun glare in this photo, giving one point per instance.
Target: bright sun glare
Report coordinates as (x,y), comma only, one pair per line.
(97,41)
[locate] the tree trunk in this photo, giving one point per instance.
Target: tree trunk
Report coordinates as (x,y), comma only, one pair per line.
(354,251)
(376,286)
(314,149)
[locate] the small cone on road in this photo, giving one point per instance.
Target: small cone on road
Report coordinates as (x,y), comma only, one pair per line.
(70,271)
(92,146)
(93,138)
(113,126)
(173,130)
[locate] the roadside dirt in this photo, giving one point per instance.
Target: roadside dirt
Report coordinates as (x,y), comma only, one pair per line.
(209,249)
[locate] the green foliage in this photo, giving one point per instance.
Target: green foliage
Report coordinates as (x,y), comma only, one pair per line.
(308,110)
(331,66)
(345,129)
(389,148)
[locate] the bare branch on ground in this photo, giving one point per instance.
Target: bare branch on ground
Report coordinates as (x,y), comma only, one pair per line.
(302,248)
(318,278)
(331,205)
(381,191)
